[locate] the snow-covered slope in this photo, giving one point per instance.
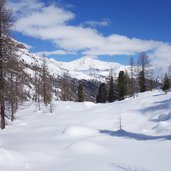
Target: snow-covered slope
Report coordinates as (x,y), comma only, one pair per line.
(86,136)
(90,68)
(84,68)
(88,63)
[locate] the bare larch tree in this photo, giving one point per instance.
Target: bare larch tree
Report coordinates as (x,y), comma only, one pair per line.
(5,53)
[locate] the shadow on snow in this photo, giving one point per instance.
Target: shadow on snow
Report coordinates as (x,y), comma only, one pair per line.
(123,133)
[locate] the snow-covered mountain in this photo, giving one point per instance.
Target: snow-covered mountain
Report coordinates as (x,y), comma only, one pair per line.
(90,68)
(84,68)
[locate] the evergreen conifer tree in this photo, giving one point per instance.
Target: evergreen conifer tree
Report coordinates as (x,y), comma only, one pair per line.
(166,84)
(80,92)
(121,85)
(143,62)
(101,94)
(112,91)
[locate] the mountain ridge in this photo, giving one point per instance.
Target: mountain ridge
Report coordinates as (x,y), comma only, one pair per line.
(83,68)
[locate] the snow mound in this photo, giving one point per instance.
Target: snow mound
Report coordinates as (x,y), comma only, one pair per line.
(79,131)
(164,117)
(87,147)
(9,157)
(89,104)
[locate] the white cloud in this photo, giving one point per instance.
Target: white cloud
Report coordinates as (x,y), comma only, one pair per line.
(45,18)
(122,45)
(161,57)
(91,23)
(22,8)
(34,18)
(55,52)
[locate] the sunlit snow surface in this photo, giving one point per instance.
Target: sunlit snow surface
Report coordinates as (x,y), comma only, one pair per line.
(86,136)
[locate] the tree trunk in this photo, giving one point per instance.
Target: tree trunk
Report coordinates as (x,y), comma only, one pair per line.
(2,116)
(1,78)
(12,99)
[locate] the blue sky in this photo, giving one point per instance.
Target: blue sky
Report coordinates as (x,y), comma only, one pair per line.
(111,30)
(145,19)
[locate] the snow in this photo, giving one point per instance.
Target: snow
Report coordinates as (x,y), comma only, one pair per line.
(79,131)
(86,136)
(84,68)
(163,117)
(88,63)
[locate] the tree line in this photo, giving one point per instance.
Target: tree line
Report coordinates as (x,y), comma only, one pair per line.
(129,85)
(10,69)
(13,78)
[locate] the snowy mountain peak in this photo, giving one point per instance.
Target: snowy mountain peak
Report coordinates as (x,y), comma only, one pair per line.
(87,68)
(88,63)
